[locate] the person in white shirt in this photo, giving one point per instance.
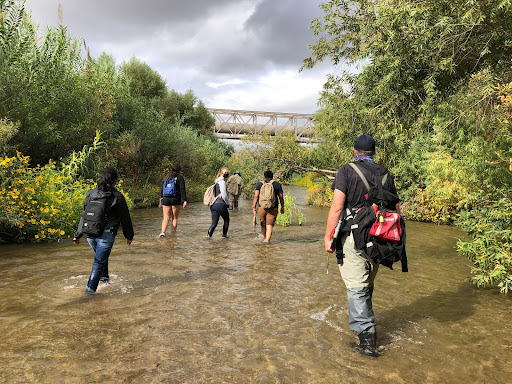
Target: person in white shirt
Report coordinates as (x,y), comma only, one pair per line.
(220,207)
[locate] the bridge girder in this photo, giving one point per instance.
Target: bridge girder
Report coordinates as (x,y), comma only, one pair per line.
(235,124)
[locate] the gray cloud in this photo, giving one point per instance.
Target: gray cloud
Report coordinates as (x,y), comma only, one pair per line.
(197,43)
(128,16)
(276,34)
(283,29)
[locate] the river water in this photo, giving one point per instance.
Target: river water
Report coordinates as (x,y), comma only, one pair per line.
(187,309)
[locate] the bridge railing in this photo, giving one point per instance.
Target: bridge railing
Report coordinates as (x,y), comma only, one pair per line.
(237,123)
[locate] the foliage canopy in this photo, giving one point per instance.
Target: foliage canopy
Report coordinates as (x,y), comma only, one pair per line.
(434,90)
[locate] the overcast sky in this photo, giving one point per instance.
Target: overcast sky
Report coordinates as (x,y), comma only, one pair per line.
(233,54)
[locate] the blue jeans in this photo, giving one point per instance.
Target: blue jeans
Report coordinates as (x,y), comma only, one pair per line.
(101,246)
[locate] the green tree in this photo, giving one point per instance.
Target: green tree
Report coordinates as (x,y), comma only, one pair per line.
(187,109)
(44,87)
(142,80)
(433,90)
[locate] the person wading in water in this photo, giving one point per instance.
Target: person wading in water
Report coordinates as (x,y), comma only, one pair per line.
(357,270)
(171,197)
(268,195)
(220,207)
(110,206)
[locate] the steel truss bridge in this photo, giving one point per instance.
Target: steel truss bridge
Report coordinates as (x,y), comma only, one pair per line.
(234,124)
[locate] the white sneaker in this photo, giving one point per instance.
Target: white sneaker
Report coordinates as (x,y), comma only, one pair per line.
(161,235)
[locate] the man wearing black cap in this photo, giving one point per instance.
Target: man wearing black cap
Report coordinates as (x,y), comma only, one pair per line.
(357,269)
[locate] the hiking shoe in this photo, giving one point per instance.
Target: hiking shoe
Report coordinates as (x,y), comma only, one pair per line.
(89,291)
(161,235)
(367,344)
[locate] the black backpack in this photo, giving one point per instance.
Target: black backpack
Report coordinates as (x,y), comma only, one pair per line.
(362,220)
(95,216)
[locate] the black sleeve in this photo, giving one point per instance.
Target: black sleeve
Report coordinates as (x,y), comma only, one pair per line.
(124,216)
(280,189)
(390,185)
(341,180)
(183,190)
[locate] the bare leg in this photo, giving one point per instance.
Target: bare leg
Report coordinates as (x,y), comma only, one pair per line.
(268,231)
(263,231)
(167,216)
(175,214)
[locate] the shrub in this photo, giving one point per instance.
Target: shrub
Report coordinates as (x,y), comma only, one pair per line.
(489,246)
(44,202)
(40,203)
(291,211)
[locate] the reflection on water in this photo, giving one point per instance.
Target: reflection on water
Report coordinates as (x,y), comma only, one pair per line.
(196,310)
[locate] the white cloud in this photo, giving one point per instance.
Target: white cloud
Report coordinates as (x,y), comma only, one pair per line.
(228,82)
(277,91)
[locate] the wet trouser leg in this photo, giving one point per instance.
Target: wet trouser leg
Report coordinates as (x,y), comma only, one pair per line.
(360,311)
(215,220)
(358,274)
(102,246)
(104,272)
(219,209)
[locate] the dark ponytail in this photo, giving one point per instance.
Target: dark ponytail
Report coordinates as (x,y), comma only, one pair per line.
(107,179)
(175,171)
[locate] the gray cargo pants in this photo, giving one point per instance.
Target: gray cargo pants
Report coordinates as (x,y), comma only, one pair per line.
(358,273)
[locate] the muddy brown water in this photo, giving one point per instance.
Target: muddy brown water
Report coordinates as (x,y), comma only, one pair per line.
(188,309)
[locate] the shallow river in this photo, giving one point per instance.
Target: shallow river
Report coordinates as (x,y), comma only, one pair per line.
(187,309)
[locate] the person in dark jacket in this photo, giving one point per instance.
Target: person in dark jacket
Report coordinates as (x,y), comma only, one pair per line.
(117,214)
(171,205)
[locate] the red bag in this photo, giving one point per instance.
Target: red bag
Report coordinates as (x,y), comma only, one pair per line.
(387,225)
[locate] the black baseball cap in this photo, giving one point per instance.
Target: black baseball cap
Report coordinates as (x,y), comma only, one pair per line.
(364,143)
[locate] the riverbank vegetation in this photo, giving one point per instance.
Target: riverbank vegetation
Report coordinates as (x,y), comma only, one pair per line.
(55,98)
(292,214)
(434,88)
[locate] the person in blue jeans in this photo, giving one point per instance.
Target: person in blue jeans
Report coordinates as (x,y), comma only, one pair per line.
(220,207)
(117,213)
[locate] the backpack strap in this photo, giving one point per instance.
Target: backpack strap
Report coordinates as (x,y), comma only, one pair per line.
(380,183)
(358,171)
(363,178)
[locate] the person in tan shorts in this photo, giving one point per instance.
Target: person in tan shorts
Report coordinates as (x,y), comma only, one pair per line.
(268,215)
